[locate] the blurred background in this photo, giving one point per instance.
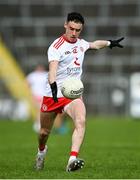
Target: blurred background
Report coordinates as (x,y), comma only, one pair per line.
(111,77)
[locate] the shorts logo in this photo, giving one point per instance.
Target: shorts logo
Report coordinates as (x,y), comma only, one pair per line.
(44,107)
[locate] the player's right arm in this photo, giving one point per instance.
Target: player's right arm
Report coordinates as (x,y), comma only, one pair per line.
(52,78)
(53,58)
(52,71)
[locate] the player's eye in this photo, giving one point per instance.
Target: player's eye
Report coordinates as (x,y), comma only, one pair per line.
(72,29)
(78,30)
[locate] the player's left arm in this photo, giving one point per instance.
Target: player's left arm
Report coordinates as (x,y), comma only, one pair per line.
(99,44)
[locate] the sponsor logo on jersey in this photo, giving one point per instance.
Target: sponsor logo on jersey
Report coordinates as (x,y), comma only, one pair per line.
(74,70)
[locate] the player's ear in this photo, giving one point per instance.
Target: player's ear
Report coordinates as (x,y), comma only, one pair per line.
(65,24)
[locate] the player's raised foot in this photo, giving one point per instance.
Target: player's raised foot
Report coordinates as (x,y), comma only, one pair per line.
(40,158)
(75,165)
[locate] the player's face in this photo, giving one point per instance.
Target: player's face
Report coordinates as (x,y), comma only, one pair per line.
(73,30)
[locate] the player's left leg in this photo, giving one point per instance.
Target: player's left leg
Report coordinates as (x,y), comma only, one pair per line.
(76,110)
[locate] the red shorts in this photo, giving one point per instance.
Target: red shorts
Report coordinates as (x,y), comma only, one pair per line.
(48,104)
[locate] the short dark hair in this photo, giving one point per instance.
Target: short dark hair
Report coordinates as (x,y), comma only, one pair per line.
(76,17)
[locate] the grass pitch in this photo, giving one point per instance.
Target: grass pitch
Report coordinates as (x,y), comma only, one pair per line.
(111,149)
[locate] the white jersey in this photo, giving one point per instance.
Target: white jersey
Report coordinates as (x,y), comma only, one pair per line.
(37,81)
(70,57)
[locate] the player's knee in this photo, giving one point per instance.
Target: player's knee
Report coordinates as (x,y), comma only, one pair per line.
(44,132)
(80,123)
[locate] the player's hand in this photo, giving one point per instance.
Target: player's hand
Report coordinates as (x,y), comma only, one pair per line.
(54,91)
(116,43)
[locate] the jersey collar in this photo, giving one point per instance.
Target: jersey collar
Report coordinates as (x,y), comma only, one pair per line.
(65,38)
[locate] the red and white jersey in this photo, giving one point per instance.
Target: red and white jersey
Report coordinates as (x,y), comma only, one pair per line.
(70,57)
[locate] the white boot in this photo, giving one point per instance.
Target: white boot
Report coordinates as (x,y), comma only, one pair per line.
(40,158)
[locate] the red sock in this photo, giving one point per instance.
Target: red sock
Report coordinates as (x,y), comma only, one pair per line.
(73,153)
(41,147)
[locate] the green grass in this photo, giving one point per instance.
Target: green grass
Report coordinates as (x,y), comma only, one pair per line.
(111,150)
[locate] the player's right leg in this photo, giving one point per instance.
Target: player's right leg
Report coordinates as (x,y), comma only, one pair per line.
(40,158)
(46,122)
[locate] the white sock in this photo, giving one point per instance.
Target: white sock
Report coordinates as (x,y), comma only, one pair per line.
(44,151)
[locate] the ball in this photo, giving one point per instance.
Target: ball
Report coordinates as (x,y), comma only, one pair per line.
(72,88)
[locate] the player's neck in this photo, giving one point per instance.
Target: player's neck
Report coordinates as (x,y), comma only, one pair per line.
(66,39)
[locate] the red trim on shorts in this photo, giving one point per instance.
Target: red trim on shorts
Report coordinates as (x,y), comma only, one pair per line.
(48,104)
